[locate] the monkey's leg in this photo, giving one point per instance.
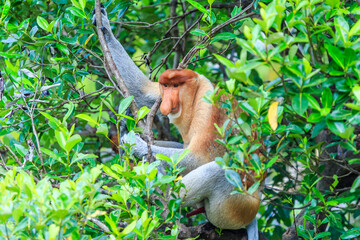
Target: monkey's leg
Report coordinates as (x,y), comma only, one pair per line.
(208,185)
(200,183)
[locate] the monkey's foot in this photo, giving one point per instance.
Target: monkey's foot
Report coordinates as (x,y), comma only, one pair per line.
(103,12)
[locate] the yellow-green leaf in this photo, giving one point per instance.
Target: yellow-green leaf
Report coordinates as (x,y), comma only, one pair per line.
(272,115)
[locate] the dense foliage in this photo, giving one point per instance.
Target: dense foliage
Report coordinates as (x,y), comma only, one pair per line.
(293,66)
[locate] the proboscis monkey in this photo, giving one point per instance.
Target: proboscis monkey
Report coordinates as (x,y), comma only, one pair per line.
(182,92)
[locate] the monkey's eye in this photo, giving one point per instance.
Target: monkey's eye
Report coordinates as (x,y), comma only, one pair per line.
(165,85)
(176,85)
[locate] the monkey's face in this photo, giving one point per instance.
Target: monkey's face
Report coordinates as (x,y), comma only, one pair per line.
(176,88)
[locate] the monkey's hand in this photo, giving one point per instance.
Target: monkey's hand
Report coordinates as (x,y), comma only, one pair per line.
(139,146)
(104,19)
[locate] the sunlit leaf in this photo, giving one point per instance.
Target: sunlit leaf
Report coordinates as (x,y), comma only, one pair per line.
(198,6)
(42,23)
(72,141)
(124,104)
(5,10)
(272,115)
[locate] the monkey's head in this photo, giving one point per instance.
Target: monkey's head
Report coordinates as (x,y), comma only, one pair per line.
(177,88)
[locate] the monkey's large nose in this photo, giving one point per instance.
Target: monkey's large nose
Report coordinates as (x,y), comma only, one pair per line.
(170,102)
(168,107)
(165,109)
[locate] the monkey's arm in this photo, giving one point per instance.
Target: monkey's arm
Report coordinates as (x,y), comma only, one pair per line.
(144,91)
(168,144)
(190,161)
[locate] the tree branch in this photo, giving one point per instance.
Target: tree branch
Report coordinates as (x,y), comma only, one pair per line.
(184,63)
(148,130)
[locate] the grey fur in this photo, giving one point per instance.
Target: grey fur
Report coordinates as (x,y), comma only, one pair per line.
(168,144)
(131,74)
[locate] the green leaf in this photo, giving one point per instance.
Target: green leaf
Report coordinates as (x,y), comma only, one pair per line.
(315,117)
(230,85)
(355,30)
(313,102)
(87,118)
(333,3)
(271,162)
(336,54)
(9,55)
(211,2)
(142,113)
(300,103)
(77,12)
(307,66)
(165,180)
(61,139)
(42,23)
(21,149)
(342,29)
(102,129)
(356,92)
(254,187)
(82,156)
(235,11)
(233,178)
(5,10)
(73,140)
(226,62)
(347,145)
(70,106)
(352,233)
(76,3)
(63,49)
(321,235)
(223,36)
(336,127)
(124,104)
(326,98)
(53,231)
(198,32)
(50,153)
(128,228)
(108,105)
(182,155)
(163,158)
(53,122)
(199,7)
(82,4)
(350,57)
(355,185)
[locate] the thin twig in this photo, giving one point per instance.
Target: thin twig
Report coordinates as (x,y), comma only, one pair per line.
(148,130)
(101,225)
(184,63)
(163,61)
